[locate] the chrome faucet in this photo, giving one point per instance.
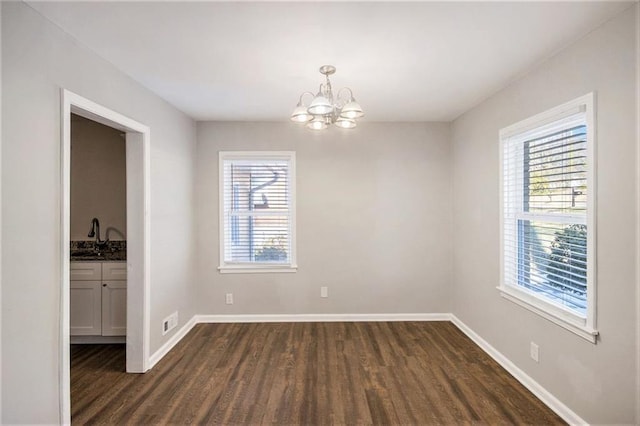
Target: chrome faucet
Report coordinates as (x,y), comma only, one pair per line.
(95,232)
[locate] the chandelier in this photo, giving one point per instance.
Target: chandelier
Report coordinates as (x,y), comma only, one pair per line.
(324,109)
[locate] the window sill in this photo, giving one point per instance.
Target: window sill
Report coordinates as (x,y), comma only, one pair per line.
(257,269)
(556,315)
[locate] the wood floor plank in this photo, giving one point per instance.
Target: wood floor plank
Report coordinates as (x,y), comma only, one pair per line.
(420,373)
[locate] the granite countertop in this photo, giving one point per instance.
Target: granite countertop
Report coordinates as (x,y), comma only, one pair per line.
(87,251)
(94,256)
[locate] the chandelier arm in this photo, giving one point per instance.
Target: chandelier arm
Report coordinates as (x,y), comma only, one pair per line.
(348,89)
(302,95)
(340,101)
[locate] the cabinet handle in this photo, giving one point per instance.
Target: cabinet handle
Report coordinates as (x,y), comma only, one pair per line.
(104,284)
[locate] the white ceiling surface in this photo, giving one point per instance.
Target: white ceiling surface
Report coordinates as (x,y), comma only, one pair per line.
(250,61)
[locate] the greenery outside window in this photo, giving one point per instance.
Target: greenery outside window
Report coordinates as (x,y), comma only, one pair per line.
(547,203)
(257,211)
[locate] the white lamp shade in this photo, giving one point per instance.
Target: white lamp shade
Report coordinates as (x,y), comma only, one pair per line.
(346,123)
(300,114)
(317,124)
(320,105)
(352,110)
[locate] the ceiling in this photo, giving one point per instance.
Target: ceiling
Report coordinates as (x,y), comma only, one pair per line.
(405,61)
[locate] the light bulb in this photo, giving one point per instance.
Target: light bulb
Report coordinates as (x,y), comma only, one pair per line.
(300,114)
(317,124)
(352,110)
(345,123)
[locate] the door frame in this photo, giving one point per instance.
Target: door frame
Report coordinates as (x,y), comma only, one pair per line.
(138,160)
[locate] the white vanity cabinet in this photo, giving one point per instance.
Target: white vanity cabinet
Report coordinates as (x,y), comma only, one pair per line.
(114,299)
(98,299)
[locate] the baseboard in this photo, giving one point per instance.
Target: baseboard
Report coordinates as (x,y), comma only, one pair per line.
(90,340)
(544,395)
(320,318)
(198,319)
(169,344)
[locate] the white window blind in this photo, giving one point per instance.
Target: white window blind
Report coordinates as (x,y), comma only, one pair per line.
(545,224)
(256,196)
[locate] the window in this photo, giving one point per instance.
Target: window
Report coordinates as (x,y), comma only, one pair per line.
(547,201)
(257,212)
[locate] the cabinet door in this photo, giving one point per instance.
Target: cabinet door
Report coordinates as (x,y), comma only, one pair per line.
(114,271)
(85,271)
(114,308)
(85,309)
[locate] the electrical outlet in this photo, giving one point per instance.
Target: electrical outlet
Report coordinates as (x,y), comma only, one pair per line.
(229,299)
(169,323)
(324,292)
(534,351)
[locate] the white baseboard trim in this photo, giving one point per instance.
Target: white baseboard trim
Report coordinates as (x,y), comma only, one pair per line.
(321,318)
(90,340)
(169,344)
(201,319)
(544,395)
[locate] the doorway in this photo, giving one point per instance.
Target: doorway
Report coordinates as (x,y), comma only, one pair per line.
(137,143)
(98,234)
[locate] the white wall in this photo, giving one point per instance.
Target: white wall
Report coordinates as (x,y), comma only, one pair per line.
(98,180)
(373,220)
(37,60)
(596,381)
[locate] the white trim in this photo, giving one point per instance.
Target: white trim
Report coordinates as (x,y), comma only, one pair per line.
(90,340)
(592,187)
(138,147)
(137,331)
(321,318)
(0,223)
(257,155)
(64,369)
(230,268)
(256,213)
(173,340)
(585,328)
(209,319)
(637,214)
(549,311)
(256,269)
(560,218)
(549,116)
(536,388)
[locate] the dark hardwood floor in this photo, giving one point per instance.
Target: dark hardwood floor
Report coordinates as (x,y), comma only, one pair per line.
(305,373)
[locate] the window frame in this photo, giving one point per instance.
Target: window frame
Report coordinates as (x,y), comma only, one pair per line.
(256,267)
(584,327)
